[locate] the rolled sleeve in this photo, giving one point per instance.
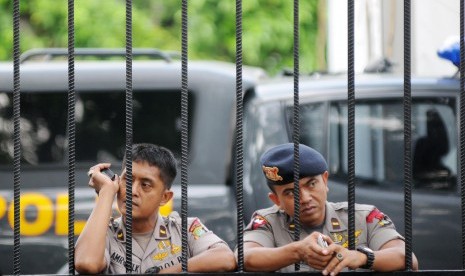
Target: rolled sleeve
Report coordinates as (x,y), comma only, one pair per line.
(200,238)
(262,237)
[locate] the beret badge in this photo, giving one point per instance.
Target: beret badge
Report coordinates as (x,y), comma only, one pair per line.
(272,173)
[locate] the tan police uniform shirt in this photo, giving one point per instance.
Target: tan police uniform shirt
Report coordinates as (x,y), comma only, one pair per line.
(272,227)
(164,249)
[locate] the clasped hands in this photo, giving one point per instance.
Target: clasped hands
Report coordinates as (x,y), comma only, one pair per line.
(330,260)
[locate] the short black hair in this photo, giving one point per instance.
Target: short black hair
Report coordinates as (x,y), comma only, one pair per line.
(156,156)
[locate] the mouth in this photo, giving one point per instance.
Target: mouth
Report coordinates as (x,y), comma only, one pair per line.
(133,204)
(307,210)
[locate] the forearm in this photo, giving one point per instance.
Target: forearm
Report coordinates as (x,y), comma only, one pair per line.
(270,259)
(90,247)
(217,259)
(392,259)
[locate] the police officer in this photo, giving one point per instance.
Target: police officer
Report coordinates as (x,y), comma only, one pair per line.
(269,238)
(156,240)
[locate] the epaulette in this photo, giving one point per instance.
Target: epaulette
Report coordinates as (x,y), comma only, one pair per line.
(345,206)
(268,211)
(340,205)
(364,207)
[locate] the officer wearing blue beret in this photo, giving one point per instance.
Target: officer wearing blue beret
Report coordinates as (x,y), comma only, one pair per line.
(269,238)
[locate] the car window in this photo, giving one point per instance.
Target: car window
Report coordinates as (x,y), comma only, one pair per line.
(379,143)
(312,125)
(100,125)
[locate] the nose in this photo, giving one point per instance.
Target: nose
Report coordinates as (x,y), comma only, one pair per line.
(305,196)
(135,189)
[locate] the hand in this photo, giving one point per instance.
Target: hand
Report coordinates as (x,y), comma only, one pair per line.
(312,253)
(342,258)
(98,180)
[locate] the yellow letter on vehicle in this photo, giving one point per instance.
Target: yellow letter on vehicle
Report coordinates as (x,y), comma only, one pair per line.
(44,220)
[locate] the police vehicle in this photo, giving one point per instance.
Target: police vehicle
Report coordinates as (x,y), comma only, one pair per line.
(100,137)
(379,149)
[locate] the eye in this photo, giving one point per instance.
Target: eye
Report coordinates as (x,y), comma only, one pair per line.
(146,186)
(289,193)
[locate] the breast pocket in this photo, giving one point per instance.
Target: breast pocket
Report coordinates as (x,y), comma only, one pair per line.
(342,238)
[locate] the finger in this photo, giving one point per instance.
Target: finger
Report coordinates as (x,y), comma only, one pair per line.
(339,256)
(339,262)
(339,266)
(320,250)
(331,266)
(328,239)
(317,261)
(116,182)
(320,265)
(102,166)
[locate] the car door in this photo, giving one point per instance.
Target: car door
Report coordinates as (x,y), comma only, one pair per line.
(379,169)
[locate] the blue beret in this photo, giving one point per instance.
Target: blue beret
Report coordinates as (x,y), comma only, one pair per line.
(278,163)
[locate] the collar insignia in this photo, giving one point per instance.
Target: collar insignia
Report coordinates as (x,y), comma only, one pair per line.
(291,227)
(335,223)
(120,235)
(162,232)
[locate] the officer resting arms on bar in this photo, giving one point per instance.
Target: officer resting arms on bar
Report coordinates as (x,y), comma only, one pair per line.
(156,240)
(269,238)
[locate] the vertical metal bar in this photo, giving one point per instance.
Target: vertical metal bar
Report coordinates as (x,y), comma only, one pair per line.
(184,134)
(296,133)
(17,139)
(128,224)
(351,123)
(71,137)
(407,139)
(239,139)
(462,125)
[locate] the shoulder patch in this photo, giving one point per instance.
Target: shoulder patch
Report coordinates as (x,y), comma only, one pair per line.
(259,222)
(377,214)
(197,229)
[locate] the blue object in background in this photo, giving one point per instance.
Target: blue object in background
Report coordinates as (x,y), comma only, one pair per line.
(451,51)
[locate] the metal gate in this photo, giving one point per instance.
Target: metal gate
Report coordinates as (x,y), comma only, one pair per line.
(239,142)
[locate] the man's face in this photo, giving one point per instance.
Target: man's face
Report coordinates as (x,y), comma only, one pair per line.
(148,191)
(313,194)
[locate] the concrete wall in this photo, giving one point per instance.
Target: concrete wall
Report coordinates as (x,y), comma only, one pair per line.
(379,32)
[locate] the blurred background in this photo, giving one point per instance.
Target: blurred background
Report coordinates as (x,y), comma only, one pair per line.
(267,24)
(267,30)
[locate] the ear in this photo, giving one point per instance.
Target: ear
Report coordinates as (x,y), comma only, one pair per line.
(167,196)
(274,197)
(325,176)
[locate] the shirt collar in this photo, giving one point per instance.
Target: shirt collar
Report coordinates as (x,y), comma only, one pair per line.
(332,221)
(161,229)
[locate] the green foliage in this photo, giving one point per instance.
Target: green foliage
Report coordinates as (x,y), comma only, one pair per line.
(267,28)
